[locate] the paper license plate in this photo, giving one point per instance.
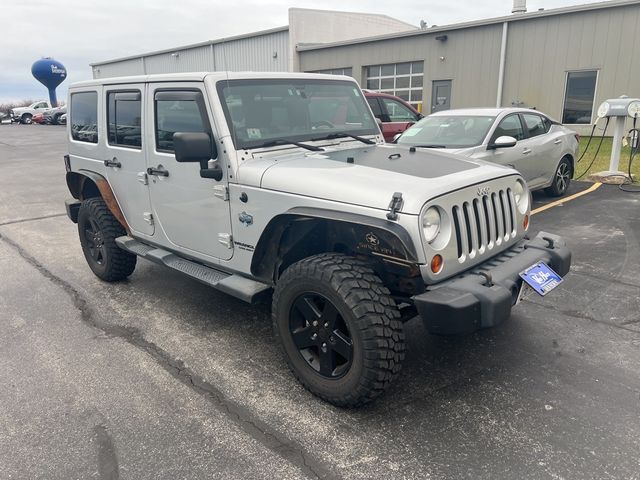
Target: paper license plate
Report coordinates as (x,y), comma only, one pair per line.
(541,278)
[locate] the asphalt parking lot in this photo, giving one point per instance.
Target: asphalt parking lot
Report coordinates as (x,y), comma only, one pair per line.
(162,377)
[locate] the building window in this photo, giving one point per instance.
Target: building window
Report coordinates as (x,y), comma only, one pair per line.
(578,98)
(84,117)
(124,126)
(403,80)
(348,71)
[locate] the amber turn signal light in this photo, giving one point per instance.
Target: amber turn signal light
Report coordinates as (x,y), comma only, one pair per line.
(525,222)
(436,263)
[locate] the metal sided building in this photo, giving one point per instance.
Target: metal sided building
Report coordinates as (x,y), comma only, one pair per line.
(563,61)
(271,50)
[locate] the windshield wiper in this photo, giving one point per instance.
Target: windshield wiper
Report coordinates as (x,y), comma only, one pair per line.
(429,146)
(345,134)
(282,141)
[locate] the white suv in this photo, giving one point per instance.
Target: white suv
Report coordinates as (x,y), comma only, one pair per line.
(282,183)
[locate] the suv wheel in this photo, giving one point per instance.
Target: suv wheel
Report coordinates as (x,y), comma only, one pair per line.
(339,327)
(26,119)
(561,179)
(98,230)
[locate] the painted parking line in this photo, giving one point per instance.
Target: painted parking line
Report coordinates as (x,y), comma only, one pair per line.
(592,188)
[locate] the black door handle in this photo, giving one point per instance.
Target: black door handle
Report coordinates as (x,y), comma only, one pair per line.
(112,163)
(158,172)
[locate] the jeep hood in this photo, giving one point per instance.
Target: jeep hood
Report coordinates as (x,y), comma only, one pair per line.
(369,176)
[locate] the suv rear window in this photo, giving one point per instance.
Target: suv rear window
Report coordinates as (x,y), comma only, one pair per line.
(84,117)
(124,127)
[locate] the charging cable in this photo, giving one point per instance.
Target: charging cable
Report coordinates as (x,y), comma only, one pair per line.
(597,150)
(634,136)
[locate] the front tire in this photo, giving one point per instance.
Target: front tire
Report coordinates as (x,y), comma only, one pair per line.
(339,328)
(26,119)
(561,179)
(98,230)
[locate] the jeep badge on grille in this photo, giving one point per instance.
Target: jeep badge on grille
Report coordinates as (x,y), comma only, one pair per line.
(483,191)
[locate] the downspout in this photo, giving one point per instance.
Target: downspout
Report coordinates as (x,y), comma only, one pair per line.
(503,58)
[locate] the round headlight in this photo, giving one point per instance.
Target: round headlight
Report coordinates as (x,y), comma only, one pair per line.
(521,196)
(431,224)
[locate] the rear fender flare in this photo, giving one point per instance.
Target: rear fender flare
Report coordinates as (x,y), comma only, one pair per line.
(85,184)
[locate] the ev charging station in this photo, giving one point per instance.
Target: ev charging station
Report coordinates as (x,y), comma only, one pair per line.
(618,110)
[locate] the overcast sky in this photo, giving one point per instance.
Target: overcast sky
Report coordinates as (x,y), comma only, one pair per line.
(78,32)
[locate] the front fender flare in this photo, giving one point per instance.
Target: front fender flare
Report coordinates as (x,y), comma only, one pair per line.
(394,242)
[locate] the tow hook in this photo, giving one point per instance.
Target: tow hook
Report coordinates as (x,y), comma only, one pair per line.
(550,242)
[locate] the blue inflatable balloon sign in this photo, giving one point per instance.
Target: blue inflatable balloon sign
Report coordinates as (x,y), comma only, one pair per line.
(50,73)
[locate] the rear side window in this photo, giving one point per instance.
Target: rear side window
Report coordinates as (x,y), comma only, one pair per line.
(176,112)
(398,112)
(535,124)
(124,126)
(84,117)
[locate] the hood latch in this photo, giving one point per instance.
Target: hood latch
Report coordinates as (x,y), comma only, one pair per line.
(395,205)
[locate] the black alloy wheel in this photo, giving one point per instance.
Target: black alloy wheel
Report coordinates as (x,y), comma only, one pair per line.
(94,241)
(321,335)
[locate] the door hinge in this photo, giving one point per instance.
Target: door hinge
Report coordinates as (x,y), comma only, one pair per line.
(221,191)
(148,217)
(142,178)
(226,239)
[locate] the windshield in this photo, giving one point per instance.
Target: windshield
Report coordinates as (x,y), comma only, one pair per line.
(448,131)
(261,111)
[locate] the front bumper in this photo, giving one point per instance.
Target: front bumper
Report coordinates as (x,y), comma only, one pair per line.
(483,296)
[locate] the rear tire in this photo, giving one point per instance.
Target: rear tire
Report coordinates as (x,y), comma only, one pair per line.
(339,328)
(98,230)
(561,179)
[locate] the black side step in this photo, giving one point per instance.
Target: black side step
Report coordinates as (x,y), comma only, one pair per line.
(233,284)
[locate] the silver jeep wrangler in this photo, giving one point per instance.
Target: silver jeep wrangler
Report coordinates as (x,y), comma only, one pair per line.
(260,184)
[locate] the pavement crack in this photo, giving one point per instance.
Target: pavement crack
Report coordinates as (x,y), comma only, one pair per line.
(107,459)
(289,450)
(32,219)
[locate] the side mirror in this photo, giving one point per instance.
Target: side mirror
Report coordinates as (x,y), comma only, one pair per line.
(504,141)
(197,147)
(396,137)
(193,147)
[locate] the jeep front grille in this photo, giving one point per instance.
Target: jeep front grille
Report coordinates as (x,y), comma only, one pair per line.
(484,223)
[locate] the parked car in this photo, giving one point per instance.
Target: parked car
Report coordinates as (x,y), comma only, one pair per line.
(52,116)
(541,149)
(63,119)
(38,118)
(25,114)
(280,184)
(395,114)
